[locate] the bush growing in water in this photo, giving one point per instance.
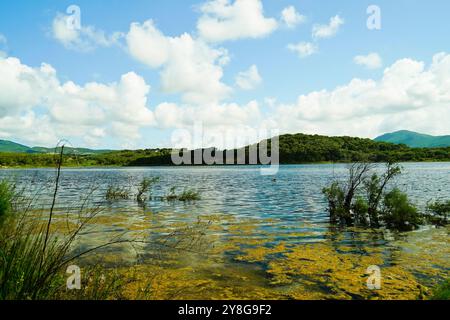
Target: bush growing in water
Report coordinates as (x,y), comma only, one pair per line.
(438,212)
(115,193)
(186,196)
(144,188)
(362,200)
(398,212)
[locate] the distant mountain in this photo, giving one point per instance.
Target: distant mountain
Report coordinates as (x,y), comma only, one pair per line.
(9,146)
(12,147)
(415,140)
(69,150)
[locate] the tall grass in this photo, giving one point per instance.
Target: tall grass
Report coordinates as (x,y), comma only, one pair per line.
(33,259)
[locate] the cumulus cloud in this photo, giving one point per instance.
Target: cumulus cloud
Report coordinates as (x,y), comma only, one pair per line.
(81,38)
(224,125)
(223,21)
(42,108)
(249,79)
(291,18)
(188,66)
(304,49)
(370,61)
(322,31)
(409,95)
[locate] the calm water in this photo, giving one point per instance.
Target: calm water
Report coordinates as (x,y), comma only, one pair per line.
(290,198)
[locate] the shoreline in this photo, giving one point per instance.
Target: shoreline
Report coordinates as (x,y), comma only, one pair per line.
(207,166)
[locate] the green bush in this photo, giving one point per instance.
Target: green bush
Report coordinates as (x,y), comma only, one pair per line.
(360,210)
(336,196)
(398,212)
(186,196)
(438,212)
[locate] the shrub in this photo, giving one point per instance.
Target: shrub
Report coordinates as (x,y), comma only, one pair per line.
(335,196)
(144,188)
(398,212)
(115,193)
(189,195)
(360,211)
(186,196)
(357,201)
(438,212)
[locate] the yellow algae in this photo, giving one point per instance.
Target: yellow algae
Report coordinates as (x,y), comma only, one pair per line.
(221,257)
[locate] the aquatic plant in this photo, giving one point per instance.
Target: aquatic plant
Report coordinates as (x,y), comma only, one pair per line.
(116,193)
(144,188)
(186,196)
(398,213)
(438,212)
(442,292)
(362,200)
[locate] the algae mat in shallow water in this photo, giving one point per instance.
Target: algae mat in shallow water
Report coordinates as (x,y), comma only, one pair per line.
(217,257)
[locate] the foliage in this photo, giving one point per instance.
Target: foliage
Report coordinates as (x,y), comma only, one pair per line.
(398,213)
(115,193)
(144,188)
(185,196)
(442,292)
(294,149)
(438,212)
(363,201)
(6,198)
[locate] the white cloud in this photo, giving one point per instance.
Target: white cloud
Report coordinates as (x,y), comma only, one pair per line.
(327,30)
(222,20)
(304,49)
(291,18)
(46,110)
(370,61)
(408,96)
(188,66)
(84,38)
(225,125)
(249,79)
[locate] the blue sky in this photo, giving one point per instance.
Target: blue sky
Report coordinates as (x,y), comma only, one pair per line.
(413,30)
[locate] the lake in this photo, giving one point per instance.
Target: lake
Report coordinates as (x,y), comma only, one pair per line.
(260,226)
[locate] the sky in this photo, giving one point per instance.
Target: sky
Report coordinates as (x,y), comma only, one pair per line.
(144,74)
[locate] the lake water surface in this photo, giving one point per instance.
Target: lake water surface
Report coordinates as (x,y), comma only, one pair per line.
(257,229)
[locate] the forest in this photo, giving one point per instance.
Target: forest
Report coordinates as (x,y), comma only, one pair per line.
(293,149)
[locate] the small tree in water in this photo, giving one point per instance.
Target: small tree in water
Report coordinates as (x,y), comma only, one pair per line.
(362,200)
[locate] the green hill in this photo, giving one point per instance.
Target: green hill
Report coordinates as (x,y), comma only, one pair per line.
(9,146)
(12,147)
(415,140)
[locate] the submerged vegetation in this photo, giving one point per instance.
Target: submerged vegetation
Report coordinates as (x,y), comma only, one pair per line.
(442,292)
